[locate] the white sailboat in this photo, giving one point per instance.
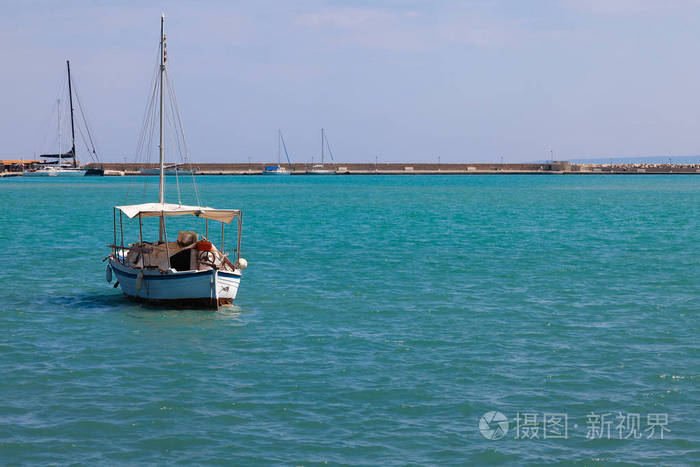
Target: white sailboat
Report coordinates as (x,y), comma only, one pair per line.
(46,171)
(279,169)
(189,272)
(51,171)
(320,169)
(60,168)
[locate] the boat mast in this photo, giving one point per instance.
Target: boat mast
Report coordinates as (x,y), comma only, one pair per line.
(161,187)
(279,147)
(72,126)
(60,151)
(321,146)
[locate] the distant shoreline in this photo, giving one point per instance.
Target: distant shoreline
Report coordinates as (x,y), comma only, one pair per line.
(408,168)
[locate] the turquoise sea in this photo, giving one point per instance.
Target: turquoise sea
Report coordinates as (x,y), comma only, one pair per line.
(379,320)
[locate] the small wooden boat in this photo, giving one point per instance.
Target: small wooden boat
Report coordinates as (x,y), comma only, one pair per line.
(188,272)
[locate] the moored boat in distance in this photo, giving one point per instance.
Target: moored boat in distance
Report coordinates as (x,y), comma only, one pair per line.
(61,168)
(276,170)
(319,169)
(95,171)
(189,272)
(53,171)
(44,171)
(279,169)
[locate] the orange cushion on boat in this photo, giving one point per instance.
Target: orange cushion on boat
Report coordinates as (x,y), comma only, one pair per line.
(204,245)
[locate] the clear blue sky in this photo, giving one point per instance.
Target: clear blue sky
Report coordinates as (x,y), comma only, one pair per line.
(404,81)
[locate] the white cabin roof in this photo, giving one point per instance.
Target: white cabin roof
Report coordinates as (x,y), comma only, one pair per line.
(166,209)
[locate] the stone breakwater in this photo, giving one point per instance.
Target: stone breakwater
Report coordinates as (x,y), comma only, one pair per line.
(409,168)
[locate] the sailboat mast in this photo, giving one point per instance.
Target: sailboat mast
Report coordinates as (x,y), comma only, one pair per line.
(72,125)
(322,146)
(161,188)
(60,151)
(279,147)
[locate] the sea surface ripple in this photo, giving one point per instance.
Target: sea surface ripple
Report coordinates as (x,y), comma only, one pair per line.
(379,319)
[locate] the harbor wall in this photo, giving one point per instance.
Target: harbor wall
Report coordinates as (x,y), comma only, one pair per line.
(408,168)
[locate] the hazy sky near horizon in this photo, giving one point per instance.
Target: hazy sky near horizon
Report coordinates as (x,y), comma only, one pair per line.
(398,80)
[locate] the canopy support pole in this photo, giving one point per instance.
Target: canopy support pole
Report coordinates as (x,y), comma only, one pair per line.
(165,233)
(114,229)
(238,245)
(141,241)
(121,229)
(161,229)
(222,238)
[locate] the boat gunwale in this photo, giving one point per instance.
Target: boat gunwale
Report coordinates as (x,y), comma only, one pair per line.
(155,274)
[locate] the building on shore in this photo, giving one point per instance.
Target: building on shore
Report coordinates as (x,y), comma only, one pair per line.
(18,165)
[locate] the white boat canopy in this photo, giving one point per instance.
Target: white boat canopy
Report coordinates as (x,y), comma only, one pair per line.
(166,209)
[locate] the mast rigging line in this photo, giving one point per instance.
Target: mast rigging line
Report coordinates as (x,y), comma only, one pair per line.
(148,113)
(167,102)
(48,127)
(80,121)
(285,151)
(91,148)
(169,119)
(328,145)
(147,128)
(175,107)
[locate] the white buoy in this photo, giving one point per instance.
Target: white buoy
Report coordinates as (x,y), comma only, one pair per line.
(139,281)
(242,263)
(108,274)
